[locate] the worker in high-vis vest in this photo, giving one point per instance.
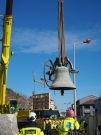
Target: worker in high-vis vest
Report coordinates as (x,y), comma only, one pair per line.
(30,127)
(68,124)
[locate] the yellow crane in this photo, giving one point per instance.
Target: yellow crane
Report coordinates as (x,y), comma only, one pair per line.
(5,54)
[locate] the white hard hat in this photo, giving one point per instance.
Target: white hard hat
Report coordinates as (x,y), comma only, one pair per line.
(32,116)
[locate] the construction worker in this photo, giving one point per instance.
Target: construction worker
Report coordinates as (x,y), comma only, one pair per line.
(30,127)
(83,126)
(68,124)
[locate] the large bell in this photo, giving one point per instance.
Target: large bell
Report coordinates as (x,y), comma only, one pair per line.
(62,79)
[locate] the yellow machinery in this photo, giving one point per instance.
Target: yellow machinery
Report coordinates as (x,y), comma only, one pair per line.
(5,54)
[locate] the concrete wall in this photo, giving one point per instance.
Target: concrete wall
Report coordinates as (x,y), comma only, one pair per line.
(91,125)
(8,124)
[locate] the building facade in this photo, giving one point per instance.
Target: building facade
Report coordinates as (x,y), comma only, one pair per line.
(43,101)
(86,106)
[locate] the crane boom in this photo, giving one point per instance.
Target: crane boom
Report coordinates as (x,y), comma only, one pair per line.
(5,52)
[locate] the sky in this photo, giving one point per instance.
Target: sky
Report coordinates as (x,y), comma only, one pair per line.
(34,40)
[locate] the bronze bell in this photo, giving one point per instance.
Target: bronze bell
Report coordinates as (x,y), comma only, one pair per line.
(62,79)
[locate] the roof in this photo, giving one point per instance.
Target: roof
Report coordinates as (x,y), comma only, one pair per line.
(88,100)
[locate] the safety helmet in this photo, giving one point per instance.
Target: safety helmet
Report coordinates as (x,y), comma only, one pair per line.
(70,113)
(32,116)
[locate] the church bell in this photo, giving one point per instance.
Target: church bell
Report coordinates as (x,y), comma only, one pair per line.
(62,80)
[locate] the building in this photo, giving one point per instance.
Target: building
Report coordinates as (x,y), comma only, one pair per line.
(52,105)
(98,113)
(98,105)
(89,108)
(43,101)
(86,106)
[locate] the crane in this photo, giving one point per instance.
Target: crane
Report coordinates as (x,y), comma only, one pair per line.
(5,54)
